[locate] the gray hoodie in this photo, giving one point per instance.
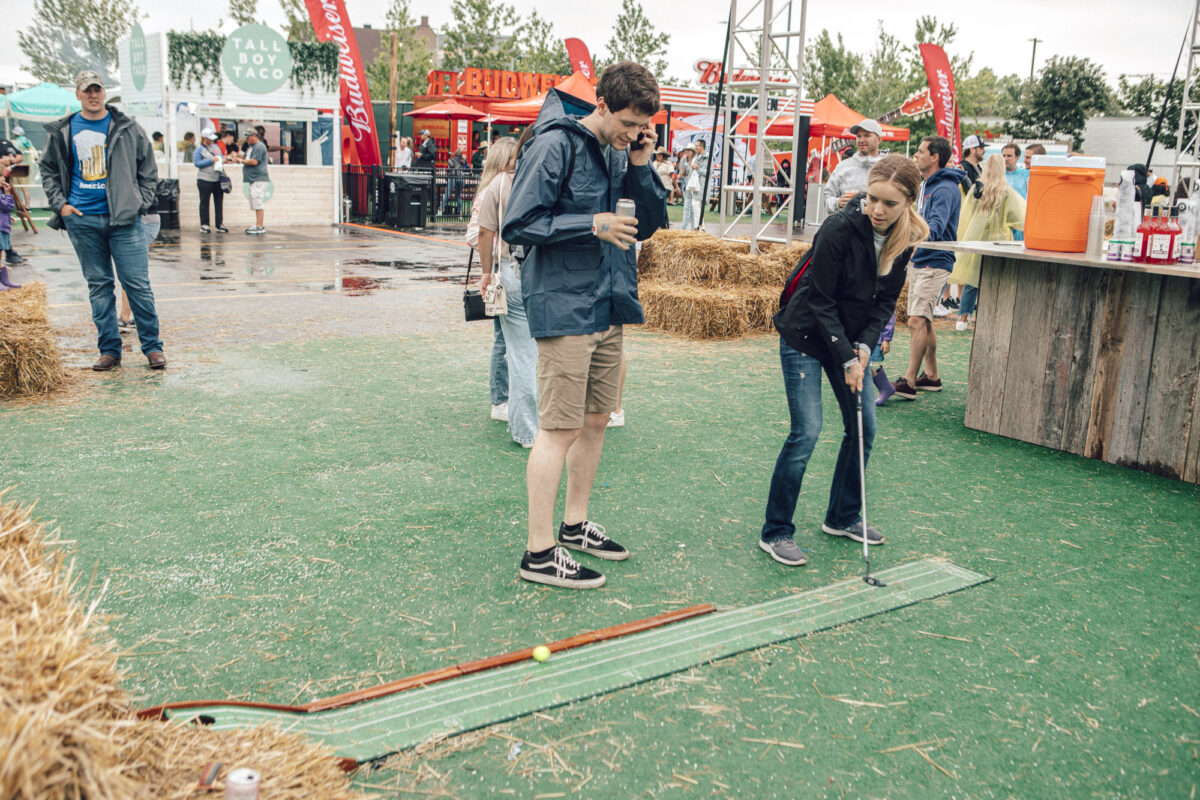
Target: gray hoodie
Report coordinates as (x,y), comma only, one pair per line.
(848,176)
(132,174)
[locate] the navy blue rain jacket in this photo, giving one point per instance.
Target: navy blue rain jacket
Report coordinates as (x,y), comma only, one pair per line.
(942,201)
(573,283)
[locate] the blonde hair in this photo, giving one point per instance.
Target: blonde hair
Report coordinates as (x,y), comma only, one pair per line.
(995,185)
(909,229)
(499,155)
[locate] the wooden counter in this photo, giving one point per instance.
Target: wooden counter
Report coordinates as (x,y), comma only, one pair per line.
(1097,358)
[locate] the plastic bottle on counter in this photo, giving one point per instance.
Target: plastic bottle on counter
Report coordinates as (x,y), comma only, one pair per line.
(1142,240)
(1095,237)
(1120,246)
(1187,238)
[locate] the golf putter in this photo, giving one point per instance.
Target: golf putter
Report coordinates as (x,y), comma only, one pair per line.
(868,578)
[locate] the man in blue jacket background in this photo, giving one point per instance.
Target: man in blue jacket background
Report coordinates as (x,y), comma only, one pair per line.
(579,283)
(939,203)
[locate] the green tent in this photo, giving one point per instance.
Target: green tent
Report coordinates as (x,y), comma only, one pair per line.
(42,103)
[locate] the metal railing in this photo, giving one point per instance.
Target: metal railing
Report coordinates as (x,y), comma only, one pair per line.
(448,196)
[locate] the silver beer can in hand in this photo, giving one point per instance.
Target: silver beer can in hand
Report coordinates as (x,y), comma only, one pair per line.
(626,208)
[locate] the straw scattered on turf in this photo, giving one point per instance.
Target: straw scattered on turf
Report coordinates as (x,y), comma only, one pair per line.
(67,728)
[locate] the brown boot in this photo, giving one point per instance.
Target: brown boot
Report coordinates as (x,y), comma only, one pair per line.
(156,360)
(106,362)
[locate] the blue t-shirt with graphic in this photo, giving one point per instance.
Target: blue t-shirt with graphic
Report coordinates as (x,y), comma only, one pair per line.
(89,178)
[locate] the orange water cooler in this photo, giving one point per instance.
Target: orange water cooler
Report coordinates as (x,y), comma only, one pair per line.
(1061,189)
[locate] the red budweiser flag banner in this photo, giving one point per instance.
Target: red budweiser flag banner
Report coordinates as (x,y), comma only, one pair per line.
(941,91)
(330,21)
(581,59)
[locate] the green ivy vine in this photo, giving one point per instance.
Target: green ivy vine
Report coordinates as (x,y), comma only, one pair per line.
(315,64)
(194,58)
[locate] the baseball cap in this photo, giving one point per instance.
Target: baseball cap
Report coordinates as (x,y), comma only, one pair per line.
(18,131)
(88,78)
(209,133)
(425,132)
(971,142)
(868,125)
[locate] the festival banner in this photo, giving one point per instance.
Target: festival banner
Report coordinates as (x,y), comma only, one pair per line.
(580,57)
(331,21)
(941,89)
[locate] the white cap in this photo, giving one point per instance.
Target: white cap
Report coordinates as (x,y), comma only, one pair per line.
(210,134)
(868,125)
(18,131)
(972,142)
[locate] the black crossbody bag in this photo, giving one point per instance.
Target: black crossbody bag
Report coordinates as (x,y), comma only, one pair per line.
(472,299)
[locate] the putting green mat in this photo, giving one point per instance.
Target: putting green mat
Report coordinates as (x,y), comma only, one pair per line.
(379,727)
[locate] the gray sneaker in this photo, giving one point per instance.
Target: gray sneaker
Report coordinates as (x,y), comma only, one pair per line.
(785,551)
(855,532)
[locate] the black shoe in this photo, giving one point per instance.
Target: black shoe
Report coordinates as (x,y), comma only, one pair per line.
(950,303)
(556,568)
(16,261)
(205,229)
(589,537)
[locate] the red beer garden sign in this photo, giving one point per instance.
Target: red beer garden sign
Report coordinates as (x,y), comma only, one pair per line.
(491,84)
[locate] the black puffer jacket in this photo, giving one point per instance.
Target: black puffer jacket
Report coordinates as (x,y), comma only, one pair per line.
(840,300)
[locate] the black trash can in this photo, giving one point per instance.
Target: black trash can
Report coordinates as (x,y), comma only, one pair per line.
(168,203)
(409,195)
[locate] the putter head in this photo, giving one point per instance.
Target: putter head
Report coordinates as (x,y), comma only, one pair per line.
(871,580)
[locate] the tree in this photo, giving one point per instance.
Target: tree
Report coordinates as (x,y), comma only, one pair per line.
(243,12)
(1064,95)
(1145,99)
(831,69)
(413,61)
(67,36)
(543,51)
(298,27)
(986,94)
(481,35)
(636,39)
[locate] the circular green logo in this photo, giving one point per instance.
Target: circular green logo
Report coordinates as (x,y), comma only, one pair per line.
(137,56)
(256,59)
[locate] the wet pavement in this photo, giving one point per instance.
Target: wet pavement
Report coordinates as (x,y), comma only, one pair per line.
(295,283)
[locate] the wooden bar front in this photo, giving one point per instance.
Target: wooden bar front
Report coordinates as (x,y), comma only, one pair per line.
(1098,359)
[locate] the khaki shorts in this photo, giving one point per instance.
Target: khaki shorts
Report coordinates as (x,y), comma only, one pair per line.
(258,195)
(924,290)
(578,375)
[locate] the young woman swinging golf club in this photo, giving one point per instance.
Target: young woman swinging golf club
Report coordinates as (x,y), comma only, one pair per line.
(832,310)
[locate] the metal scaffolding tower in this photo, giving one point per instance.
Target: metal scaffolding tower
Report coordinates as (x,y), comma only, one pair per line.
(765,52)
(1187,147)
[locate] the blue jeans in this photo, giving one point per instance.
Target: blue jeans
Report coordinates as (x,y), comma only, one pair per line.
(100,247)
(498,372)
(521,356)
(802,381)
(970,297)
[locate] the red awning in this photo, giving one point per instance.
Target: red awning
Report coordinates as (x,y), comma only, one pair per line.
(577,85)
(448,109)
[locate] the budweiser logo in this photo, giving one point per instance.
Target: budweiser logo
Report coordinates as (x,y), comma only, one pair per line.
(710,74)
(330,21)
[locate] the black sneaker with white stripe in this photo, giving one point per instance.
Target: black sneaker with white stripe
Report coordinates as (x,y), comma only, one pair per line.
(555,568)
(588,537)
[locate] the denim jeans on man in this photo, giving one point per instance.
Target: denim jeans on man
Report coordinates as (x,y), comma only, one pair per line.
(802,381)
(521,356)
(100,247)
(498,373)
(968,301)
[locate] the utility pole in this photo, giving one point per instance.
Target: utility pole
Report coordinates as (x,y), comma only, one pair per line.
(392,104)
(1033,59)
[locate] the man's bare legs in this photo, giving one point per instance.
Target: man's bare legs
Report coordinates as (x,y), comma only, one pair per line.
(579,451)
(924,347)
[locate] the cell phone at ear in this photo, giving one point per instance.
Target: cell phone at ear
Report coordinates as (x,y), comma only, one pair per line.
(638,143)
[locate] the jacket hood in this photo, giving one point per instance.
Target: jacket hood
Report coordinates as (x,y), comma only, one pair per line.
(560,110)
(945,175)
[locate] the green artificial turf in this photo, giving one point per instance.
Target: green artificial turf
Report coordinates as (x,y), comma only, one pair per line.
(285,522)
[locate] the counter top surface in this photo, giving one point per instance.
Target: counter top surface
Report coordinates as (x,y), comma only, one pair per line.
(1017,250)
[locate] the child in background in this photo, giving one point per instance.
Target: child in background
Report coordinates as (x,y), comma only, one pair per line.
(7,204)
(882,348)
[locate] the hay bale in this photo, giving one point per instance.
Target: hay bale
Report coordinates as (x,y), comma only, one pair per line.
(696,312)
(902,305)
(67,728)
(692,257)
(29,361)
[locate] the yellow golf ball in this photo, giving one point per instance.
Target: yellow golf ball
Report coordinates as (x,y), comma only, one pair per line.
(541,653)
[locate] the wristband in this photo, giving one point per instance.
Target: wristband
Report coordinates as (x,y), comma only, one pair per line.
(594,227)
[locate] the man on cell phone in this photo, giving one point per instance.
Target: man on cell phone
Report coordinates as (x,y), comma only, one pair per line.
(579,282)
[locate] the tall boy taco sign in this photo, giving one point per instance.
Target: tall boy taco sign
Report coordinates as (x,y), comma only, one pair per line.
(256,59)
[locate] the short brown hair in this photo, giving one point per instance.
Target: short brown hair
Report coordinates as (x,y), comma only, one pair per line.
(1036,149)
(627,83)
(1010,146)
(939,148)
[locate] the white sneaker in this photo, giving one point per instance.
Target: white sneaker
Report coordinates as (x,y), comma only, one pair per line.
(500,412)
(616,419)
(961,325)
(941,311)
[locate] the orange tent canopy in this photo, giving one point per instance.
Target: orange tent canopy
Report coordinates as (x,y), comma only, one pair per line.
(450,109)
(577,85)
(831,119)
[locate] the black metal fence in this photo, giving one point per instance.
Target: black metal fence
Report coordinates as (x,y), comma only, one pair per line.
(409,199)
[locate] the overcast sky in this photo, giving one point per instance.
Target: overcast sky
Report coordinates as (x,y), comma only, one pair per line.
(1108,32)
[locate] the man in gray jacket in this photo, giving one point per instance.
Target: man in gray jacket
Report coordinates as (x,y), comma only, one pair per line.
(99,175)
(850,177)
